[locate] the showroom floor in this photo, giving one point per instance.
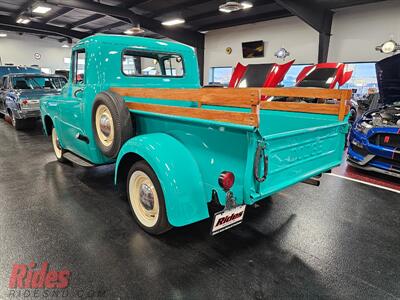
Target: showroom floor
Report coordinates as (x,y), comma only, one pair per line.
(340,240)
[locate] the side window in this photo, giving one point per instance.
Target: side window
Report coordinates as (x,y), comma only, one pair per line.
(136,63)
(79,66)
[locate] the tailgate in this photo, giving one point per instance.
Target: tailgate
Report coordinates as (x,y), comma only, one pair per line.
(300,154)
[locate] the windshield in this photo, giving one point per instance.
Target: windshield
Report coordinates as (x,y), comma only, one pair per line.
(38,82)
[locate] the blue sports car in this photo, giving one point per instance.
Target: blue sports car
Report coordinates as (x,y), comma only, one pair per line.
(375,137)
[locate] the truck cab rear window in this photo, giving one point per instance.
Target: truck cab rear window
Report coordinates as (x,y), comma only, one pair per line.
(136,63)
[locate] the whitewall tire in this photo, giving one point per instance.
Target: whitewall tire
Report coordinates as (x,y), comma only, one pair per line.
(58,151)
(147,199)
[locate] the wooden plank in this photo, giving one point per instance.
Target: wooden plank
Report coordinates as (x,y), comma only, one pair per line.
(208,96)
(307,93)
(241,118)
(328,109)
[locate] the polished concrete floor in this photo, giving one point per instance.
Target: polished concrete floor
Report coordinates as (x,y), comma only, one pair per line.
(338,241)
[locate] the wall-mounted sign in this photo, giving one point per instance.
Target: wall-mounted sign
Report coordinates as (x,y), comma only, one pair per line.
(388,47)
(282,53)
(37,56)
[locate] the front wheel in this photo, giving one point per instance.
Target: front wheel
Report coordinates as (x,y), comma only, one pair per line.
(58,151)
(147,199)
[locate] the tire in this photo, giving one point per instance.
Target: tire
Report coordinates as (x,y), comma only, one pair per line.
(353,116)
(58,151)
(18,124)
(111,123)
(150,215)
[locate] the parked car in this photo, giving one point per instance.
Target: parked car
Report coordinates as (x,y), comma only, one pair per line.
(20,94)
(375,136)
(138,103)
(258,75)
(10,69)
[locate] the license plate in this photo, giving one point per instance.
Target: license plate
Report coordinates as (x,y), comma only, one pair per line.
(226,219)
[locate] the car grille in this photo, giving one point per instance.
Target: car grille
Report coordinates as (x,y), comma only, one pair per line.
(359,150)
(395,163)
(383,139)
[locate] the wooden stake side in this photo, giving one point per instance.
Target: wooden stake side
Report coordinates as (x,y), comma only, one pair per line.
(244,98)
(235,97)
(241,118)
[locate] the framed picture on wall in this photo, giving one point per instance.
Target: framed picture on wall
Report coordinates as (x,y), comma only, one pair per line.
(253,49)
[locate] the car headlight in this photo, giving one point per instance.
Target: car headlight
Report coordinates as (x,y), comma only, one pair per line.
(363,127)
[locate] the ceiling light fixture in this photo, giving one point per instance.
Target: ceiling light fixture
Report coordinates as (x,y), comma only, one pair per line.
(2,34)
(64,46)
(41,9)
(247,5)
(23,20)
(173,22)
(134,30)
(232,6)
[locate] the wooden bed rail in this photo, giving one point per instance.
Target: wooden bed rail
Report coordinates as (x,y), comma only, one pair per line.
(341,109)
(235,97)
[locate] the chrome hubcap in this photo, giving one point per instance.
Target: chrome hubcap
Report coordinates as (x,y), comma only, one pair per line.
(105,125)
(146,197)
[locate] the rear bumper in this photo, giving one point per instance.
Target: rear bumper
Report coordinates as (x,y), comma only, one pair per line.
(26,114)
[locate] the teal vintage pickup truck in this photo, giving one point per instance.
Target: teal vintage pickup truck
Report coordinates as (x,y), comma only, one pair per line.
(138,103)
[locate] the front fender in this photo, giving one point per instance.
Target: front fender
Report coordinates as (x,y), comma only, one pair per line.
(178,173)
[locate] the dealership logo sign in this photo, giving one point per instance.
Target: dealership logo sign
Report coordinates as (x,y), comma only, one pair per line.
(34,280)
(33,276)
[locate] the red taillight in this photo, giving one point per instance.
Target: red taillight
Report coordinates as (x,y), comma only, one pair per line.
(24,102)
(226,180)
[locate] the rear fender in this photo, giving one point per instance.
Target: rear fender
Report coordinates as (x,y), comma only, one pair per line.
(177,171)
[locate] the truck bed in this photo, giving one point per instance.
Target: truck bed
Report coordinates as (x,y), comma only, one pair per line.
(227,126)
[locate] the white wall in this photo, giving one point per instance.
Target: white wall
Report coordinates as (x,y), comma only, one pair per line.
(355,33)
(293,34)
(20,50)
(358,30)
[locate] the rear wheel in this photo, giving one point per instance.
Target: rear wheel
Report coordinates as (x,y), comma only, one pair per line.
(147,199)
(58,151)
(18,124)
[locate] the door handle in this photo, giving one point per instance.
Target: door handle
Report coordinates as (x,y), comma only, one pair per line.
(76,92)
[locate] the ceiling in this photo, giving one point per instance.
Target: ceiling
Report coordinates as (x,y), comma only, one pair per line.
(75,19)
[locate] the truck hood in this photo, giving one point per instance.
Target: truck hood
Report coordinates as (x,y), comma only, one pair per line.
(36,94)
(388,76)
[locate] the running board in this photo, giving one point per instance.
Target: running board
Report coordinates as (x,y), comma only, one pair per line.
(77,160)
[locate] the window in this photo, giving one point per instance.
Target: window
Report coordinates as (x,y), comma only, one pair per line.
(363,81)
(33,82)
(79,66)
(220,75)
(291,75)
(136,63)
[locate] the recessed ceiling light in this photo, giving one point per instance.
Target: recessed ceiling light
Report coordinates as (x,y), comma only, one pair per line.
(173,22)
(41,9)
(65,46)
(246,5)
(2,34)
(23,20)
(231,6)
